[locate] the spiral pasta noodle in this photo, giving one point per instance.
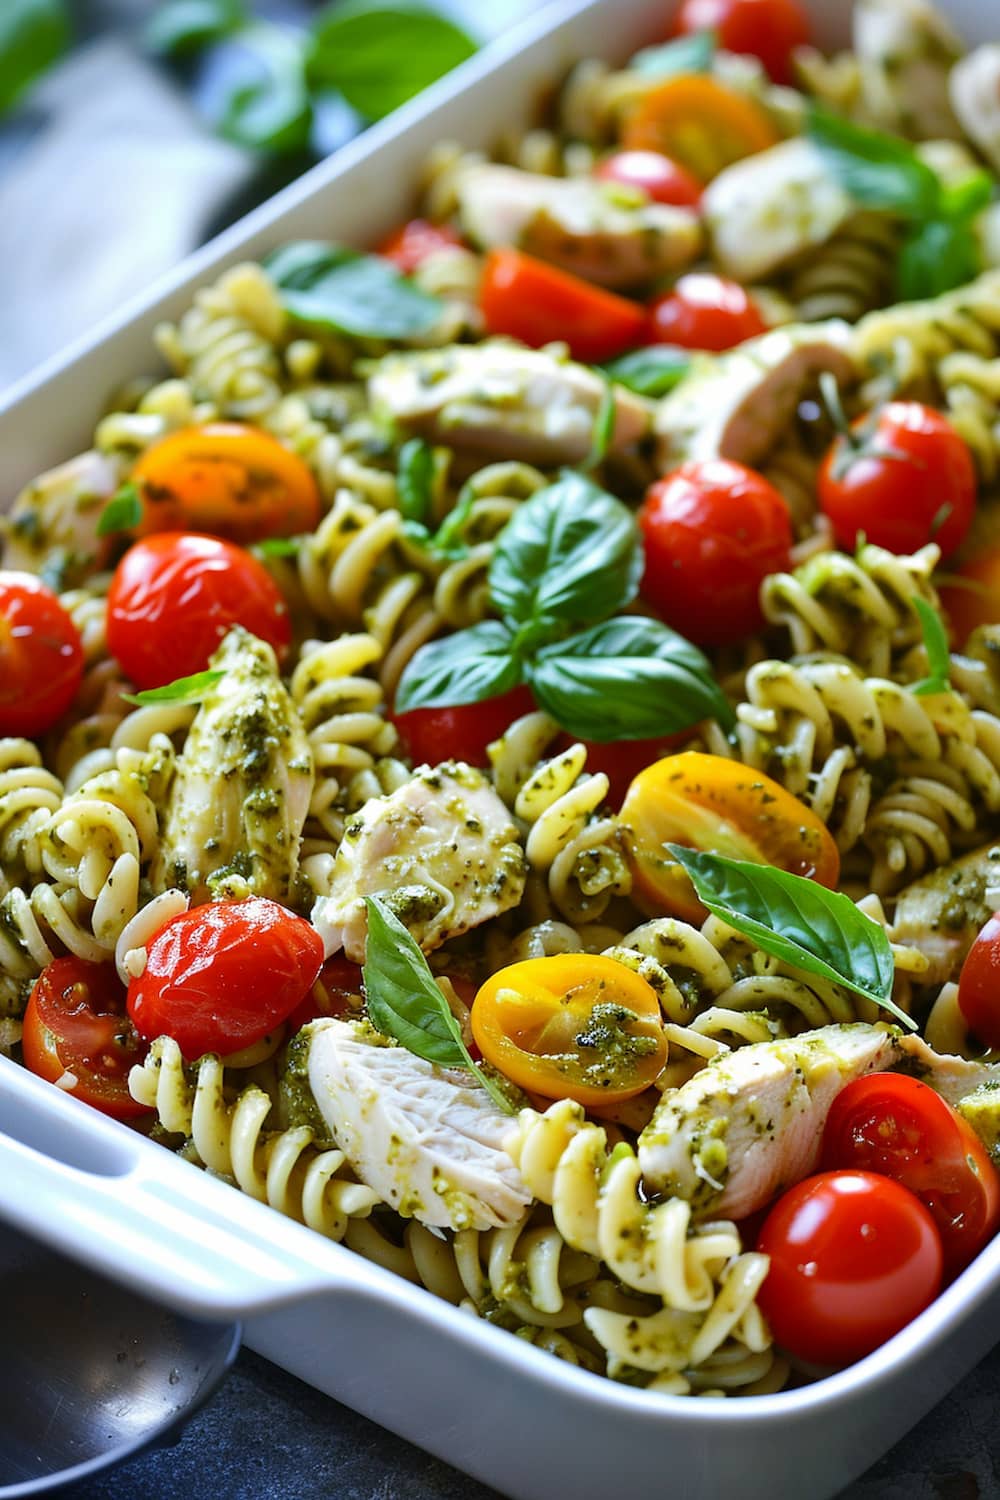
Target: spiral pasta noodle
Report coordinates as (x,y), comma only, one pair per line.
(28,796)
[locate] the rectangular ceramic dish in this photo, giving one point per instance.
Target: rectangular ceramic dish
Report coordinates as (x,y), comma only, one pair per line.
(488,1403)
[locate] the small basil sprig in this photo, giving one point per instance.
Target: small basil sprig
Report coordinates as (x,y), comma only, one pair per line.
(794,919)
(123,511)
(405,1002)
(571,554)
(415,489)
(329,286)
(378,56)
(938,653)
(603,430)
(277,546)
(182,690)
(688,54)
(940,249)
(652,371)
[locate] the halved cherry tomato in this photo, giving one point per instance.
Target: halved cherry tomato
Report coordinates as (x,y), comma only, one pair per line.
(226,479)
(462,732)
(221,976)
(76,1033)
(713,531)
(979,985)
(336,992)
(573,1026)
(973,598)
(708,802)
(660,178)
(904,478)
(767,29)
(411,243)
(854,1258)
(173,598)
(705,311)
(536,303)
(897,1126)
(41,657)
(699,123)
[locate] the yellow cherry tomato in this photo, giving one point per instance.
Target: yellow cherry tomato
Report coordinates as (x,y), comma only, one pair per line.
(698,122)
(573,1026)
(709,802)
(226,479)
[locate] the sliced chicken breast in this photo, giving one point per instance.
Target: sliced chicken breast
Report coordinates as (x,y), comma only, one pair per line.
(53,522)
(942,913)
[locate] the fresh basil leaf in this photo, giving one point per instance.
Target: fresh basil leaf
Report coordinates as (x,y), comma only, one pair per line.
(33,35)
(794,919)
(330,287)
(271,110)
(378,56)
(571,553)
(604,429)
(936,256)
(277,546)
(652,371)
(466,667)
(182,690)
(938,654)
(447,540)
(405,1002)
(123,511)
(628,679)
(415,480)
(876,169)
(184,26)
(688,54)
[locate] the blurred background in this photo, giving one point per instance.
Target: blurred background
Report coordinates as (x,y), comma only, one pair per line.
(131,131)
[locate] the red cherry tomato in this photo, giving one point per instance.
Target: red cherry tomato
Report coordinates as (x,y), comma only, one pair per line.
(462,732)
(219,977)
(76,1033)
(41,658)
(979,985)
(175,595)
(854,1258)
(704,311)
(529,300)
(411,243)
(767,29)
(335,993)
(713,530)
(903,479)
(897,1126)
(658,176)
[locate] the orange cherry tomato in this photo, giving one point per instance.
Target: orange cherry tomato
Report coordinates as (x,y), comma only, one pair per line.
(414,241)
(573,1026)
(708,802)
(225,479)
(699,123)
(973,599)
(528,300)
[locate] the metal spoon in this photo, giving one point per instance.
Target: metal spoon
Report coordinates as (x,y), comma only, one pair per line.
(92,1372)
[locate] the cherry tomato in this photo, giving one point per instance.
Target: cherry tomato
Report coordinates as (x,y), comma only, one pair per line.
(76,1033)
(766,29)
(536,303)
(337,992)
(41,658)
(699,123)
(660,178)
(854,1258)
(713,531)
(462,732)
(226,479)
(175,595)
(979,985)
(411,243)
(705,311)
(707,802)
(903,479)
(573,1026)
(897,1126)
(973,597)
(221,976)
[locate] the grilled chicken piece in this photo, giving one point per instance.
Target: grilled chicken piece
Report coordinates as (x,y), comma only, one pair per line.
(956,1079)
(499,399)
(241,792)
(53,522)
(906,50)
(974,88)
(737,405)
(441,850)
(428,1140)
(765,210)
(942,913)
(596,230)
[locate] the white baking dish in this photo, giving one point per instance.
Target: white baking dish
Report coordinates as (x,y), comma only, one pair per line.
(494,1406)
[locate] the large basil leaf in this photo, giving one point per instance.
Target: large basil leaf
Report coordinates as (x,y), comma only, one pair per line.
(652,371)
(465,667)
(876,169)
(792,918)
(936,256)
(329,286)
(572,553)
(33,34)
(379,56)
(628,679)
(405,1002)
